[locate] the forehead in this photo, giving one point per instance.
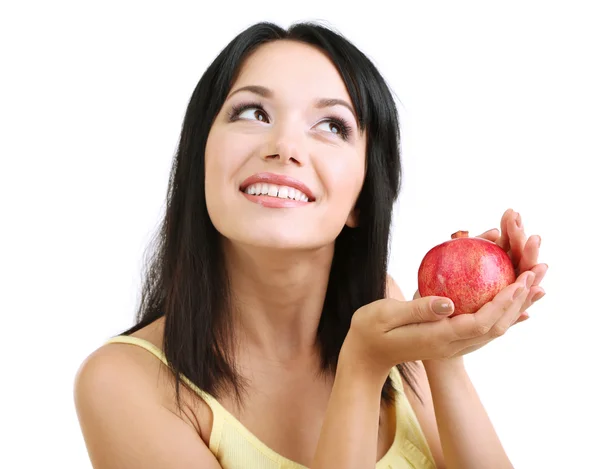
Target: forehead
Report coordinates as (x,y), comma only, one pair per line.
(291,68)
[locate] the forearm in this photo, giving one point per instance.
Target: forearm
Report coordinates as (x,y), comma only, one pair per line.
(467,435)
(349,433)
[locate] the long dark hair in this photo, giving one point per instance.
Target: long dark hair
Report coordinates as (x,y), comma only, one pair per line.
(185,278)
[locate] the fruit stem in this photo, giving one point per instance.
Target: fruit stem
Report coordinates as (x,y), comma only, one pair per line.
(460,234)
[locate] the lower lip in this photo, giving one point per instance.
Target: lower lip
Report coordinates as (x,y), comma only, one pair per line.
(274,202)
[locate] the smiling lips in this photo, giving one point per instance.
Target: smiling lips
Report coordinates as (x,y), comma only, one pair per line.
(276,191)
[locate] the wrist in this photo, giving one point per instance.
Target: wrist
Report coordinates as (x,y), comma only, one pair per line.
(360,370)
(444,365)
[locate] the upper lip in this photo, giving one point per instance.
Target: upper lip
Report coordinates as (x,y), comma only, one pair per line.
(279,180)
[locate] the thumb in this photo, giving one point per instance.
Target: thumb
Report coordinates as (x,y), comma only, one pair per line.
(428,309)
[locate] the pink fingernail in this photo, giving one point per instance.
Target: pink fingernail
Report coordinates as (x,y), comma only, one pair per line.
(518,292)
(529,280)
(539,242)
(538,296)
(518,220)
(524,317)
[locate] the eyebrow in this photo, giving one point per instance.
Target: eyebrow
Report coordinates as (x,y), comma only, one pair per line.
(319,103)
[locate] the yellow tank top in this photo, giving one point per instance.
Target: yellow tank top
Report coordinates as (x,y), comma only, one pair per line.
(235,447)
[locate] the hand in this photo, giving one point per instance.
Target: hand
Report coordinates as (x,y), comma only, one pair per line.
(522,251)
(387,332)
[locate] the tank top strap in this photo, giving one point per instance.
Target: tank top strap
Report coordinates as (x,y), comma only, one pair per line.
(414,445)
(218,411)
(397,380)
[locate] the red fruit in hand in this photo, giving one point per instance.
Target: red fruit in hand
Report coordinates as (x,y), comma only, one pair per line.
(469,271)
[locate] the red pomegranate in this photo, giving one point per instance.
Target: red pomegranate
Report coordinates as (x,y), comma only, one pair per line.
(469,271)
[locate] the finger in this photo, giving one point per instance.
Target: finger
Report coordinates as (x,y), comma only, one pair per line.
(536,293)
(540,272)
(538,296)
(530,253)
(393,313)
(516,238)
(463,351)
(523,317)
(491,235)
(510,317)
(487,331)
(479,324)
(514,308)
(502,241)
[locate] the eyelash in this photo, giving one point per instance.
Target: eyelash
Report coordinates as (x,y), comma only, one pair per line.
(236,110)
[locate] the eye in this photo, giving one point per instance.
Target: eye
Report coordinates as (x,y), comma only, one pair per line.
(336,126)
(248,111)
(330,127)
(254,113)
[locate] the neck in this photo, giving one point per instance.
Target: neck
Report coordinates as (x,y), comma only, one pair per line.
(277,300)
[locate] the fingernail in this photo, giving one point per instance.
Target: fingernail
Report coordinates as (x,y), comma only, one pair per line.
(442,306)
(529,280)
(523,318)
(518,220)
(538,296)
(539,241)
(518,292)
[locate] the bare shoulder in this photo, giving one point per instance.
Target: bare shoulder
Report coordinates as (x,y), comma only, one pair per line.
(113,366)
(123,418)
(393,290)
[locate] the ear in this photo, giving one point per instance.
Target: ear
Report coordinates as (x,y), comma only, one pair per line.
(352,221)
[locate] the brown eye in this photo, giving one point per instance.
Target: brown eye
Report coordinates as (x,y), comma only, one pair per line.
(335,126)
(254,114)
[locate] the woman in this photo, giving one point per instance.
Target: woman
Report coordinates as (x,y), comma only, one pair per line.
(268,296)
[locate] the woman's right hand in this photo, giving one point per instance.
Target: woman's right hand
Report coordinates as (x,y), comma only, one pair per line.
(388,332)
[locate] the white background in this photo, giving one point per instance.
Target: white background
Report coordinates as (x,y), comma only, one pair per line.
(500,108)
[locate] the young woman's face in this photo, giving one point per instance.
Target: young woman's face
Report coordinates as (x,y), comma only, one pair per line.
(285,161)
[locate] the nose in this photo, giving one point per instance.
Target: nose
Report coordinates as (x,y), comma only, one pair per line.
(286,146)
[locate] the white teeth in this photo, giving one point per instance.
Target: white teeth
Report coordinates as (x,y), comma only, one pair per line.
(282,192)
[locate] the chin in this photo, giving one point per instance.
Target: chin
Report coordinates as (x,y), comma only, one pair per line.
(286,242)
(299,234)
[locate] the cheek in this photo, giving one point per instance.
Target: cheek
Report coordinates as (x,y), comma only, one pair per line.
(223,158)
(344,181)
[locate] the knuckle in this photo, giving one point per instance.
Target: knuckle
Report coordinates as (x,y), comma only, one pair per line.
(384,315)
(359,318)
(497,330)
(417,313)
(480,329)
